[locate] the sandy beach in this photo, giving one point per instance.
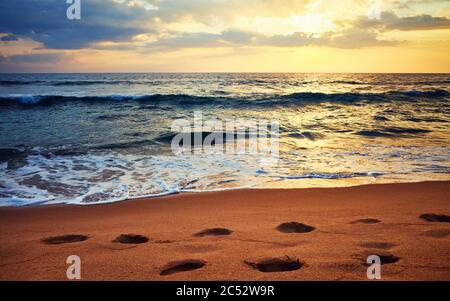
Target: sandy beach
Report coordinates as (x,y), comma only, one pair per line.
(335,230)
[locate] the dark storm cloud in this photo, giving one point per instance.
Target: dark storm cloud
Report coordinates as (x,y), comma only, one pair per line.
(45,21)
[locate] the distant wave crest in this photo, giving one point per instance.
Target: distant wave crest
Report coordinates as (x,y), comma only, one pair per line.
(182,99)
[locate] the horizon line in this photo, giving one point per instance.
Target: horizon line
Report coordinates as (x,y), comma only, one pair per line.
(218,72)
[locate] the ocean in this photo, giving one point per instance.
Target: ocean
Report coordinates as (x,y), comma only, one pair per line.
(98,138)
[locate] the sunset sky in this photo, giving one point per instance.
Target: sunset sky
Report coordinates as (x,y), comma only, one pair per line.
(226,36)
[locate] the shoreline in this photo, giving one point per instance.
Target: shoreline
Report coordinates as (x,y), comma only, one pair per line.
(334,250)
(220,190)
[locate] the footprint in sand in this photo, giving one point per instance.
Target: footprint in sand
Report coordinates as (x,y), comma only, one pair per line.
(366,221)
(431,217)
(295,227)
(130,239)
(272,265)
(64,239)
(377,245)
(182,266)
(385,258)
(213,232)
(438,233)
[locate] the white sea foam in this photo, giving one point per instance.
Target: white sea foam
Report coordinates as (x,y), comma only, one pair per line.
(110,176)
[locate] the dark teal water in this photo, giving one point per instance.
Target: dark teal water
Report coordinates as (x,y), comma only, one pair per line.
(90,138)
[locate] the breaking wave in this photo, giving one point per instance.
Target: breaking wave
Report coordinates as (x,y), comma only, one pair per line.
(182,99)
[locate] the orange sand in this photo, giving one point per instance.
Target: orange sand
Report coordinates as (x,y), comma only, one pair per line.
(335,250)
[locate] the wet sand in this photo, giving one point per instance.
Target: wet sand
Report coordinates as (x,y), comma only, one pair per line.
(270,234)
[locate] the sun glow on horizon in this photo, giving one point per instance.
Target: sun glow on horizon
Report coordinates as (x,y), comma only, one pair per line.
(231,35)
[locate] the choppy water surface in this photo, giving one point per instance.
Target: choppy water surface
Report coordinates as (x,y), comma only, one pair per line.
(90,138)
